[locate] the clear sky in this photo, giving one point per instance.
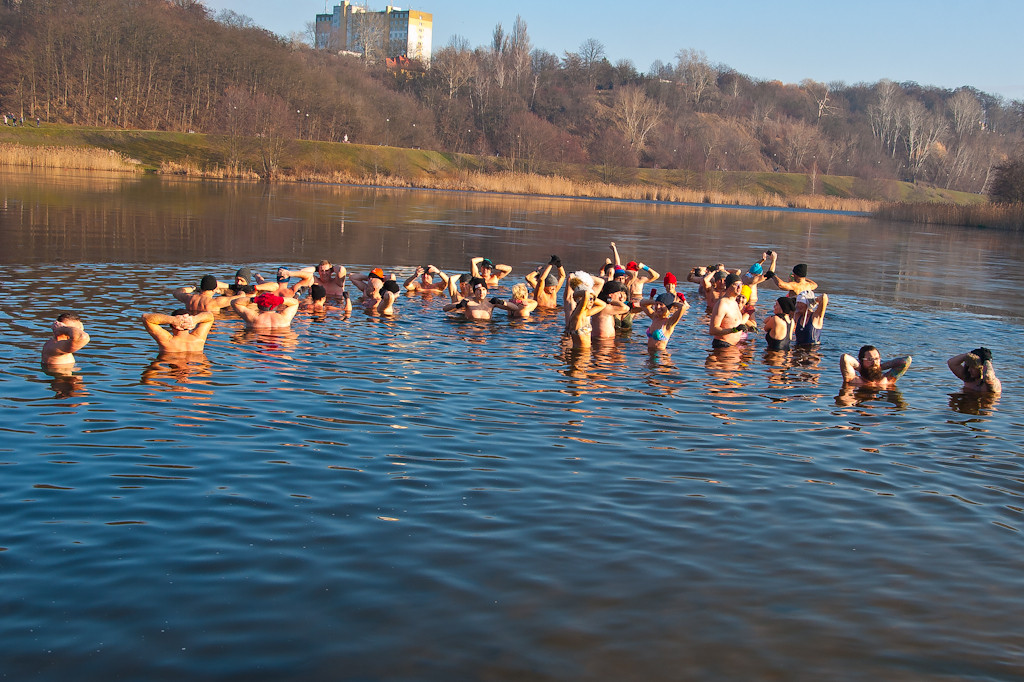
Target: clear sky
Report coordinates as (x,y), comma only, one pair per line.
(933,42)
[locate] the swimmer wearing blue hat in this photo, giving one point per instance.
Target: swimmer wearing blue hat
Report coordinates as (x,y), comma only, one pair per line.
(665,312)
(757,274)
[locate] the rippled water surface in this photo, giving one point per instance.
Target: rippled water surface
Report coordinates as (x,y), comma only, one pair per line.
(419,498)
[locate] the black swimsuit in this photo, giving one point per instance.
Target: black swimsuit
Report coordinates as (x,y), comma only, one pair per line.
(780,344)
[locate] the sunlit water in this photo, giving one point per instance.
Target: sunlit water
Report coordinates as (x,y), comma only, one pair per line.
(419,498)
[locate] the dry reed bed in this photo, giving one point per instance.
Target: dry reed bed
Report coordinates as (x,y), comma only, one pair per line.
(998,216)
(525,183)
(72,158)
(506,182)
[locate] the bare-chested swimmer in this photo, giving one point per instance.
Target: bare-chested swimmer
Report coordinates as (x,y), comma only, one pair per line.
(426,283)
(797,281)
(867,369)
(188,332)
(331,277)
(275,312)
(316,302)
(607,320)
(487,271)
(476,307)
(205,300)
(283,277)
(728,323)
(67,337)
(975,369)
(546,281)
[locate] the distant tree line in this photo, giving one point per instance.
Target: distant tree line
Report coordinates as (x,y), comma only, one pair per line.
(171,65)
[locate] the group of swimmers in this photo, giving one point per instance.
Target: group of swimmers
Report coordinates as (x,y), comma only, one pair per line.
(596,307)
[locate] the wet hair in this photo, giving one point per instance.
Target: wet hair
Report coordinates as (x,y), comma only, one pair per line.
(520,292)
(610,288)
(179,311)
(68,317)
(317,292)
(208,283)
(477,281)
(322,264)
(864,350)
(800,269)
(465,277)
(787,304)
(391,285)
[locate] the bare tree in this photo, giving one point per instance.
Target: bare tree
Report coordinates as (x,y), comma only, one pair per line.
(820,93)
(967,113)
(886,115)
(454,64)
(591,54)
(370,35)
(923,130)
(696,74)
(519,51)
(636,115)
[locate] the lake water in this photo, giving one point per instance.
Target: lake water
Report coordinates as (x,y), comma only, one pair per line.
(416,498)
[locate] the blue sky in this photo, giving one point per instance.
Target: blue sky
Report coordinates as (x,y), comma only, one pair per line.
(939,42)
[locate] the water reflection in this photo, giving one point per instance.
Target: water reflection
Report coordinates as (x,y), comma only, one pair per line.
(175,370)
(978,404)
(866,396)
(64,382)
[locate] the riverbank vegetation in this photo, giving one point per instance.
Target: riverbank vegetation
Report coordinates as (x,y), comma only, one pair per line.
(94,64)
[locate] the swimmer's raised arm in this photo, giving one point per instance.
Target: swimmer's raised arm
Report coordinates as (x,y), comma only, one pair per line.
(410,281)
(616,261)
(848,366)
(647,273)
(897,367)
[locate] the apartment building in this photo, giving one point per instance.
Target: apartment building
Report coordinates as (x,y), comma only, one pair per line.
(392,32)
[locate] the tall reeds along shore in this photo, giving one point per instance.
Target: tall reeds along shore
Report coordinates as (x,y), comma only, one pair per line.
(70,158)
(995,216)
(541,185)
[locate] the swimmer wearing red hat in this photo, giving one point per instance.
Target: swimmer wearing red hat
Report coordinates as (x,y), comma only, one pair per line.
(275,312)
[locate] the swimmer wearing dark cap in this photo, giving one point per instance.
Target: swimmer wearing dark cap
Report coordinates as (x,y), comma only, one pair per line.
(477,306)
(483,268)
(205,300)
(546,281)
(386,301)
(665,312)
(797,280)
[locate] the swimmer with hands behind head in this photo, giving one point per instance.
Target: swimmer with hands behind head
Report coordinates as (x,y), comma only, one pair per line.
(665,312)
(68,336)
(188,332)
(975,369)
(275,312)
(867,369)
